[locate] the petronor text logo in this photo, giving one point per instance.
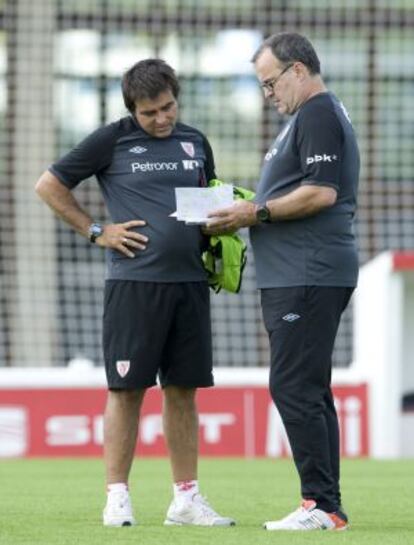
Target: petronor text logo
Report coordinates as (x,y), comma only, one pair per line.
(321,159)
(151,167)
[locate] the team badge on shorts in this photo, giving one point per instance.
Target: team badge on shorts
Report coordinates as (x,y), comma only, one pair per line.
(122,366)
(188,147)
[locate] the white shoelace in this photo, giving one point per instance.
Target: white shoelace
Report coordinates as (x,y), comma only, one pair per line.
(119,500)
(205,507)
(310,520)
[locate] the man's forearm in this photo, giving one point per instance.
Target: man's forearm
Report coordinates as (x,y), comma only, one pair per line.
(305,201)
(60,199)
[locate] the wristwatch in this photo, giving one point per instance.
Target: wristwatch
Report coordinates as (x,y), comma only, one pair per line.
(263,214)
(95,230)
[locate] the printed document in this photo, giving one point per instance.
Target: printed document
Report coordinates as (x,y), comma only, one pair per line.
(195,203)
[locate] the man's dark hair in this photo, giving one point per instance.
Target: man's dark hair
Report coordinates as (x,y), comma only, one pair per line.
(147,79)
(289,47)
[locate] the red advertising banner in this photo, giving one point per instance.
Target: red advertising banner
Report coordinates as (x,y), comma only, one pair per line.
(234,421)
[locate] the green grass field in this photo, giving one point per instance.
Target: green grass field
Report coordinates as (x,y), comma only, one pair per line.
(59,502)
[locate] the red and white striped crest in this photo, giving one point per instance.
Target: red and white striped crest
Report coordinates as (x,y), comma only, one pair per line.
(188,147)
(122,366)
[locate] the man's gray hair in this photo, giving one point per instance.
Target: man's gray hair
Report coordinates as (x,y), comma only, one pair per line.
(289,47)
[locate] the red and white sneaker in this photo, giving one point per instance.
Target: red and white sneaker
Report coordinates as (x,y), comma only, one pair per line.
(308,517)
(195,511)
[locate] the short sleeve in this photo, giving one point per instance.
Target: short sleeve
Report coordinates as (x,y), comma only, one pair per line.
(320,141)
(209,167)
(87,158)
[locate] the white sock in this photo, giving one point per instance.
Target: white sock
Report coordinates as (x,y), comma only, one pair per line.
(185,489)
(117,487)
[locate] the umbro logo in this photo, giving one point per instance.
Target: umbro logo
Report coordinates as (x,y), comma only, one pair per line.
(138,149)
(291,317)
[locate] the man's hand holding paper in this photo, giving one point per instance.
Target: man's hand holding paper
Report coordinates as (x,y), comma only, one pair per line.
(230,219)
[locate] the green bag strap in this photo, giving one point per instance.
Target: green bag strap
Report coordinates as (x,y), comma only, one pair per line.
(224,261)
(239,192)
(226,256)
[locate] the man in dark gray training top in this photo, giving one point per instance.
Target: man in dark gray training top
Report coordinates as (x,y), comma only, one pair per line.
(306,263)
(157,307)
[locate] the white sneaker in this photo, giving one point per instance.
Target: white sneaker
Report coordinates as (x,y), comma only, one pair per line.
(118,510)
(307,517)
(195,511)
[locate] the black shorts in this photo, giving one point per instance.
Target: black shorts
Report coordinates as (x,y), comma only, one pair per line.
(152,328)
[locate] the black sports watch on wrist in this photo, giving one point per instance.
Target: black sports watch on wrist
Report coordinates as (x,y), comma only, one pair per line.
(95,230)
(263,214)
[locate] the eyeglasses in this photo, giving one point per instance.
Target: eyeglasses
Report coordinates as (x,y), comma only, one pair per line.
(269,85)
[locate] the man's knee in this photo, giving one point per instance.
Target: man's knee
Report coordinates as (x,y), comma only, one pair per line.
(289,408)
(280,393)
(176,396)
(296,405)
(125,398)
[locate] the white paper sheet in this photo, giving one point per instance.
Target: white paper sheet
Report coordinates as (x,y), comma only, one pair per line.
(195,203)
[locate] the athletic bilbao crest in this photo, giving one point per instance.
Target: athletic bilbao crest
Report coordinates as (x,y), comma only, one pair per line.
(188,147)
(122,366)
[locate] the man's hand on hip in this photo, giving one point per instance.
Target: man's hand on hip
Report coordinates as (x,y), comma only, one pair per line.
(118,236)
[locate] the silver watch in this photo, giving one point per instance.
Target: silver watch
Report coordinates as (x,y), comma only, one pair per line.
(95,230)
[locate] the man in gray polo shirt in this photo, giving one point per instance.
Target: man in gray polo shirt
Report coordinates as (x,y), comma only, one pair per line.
(157,308)
(301,230)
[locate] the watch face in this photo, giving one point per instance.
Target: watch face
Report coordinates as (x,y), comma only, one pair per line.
(95,231)
(263,214)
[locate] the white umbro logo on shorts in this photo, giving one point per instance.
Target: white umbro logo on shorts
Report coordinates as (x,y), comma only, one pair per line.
(138,149)
(291,317)
(122,366)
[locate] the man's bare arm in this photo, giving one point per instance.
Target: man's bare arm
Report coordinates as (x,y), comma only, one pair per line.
(61,200)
